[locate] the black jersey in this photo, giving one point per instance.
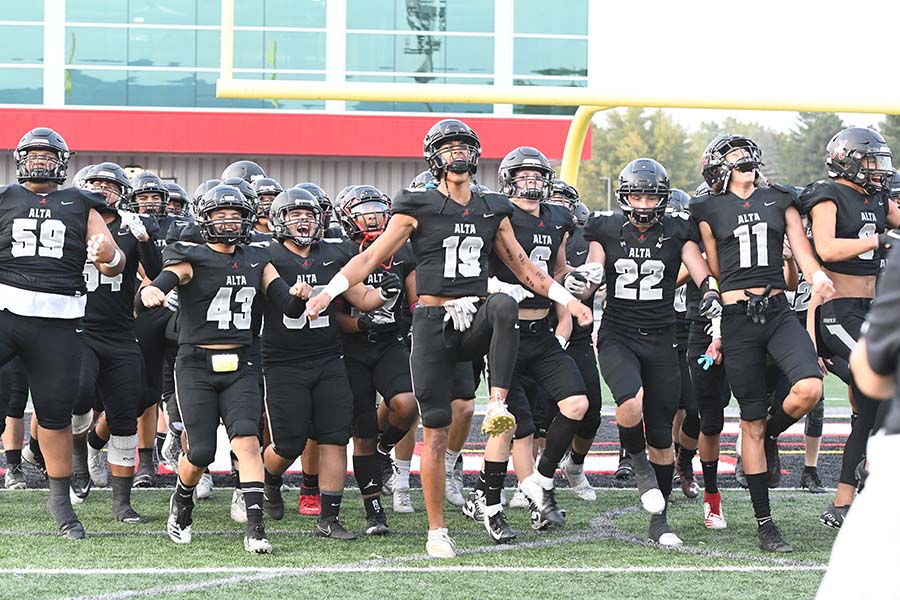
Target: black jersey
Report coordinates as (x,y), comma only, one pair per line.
(43,238)
(214,307)
(749,235)
(172,229)
(577,249)
(541,238)
(452,242)
(401,264)
(284,338)
(110,306)
(641,268)
(260,237)
(882,335)
(858,216)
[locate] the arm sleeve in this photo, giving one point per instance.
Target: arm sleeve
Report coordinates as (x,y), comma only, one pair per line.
(279,293)
(150,257)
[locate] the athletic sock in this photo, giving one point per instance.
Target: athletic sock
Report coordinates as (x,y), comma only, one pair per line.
(664,478)
(402,480)
(145,456)
(272,480)
(253,500)
(310,485)
(13,457)
(450,457)
(779,423)
(577,458)
(59,504)
(96,442)
(632,438)
(494,477)
(331,504)
(368,474)
(710,475)
(759,496)
(559,437)
(810,470)
(686,460)
(184,493)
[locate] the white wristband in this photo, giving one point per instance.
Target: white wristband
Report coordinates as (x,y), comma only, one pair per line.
(716,327)
(337,286)
(559,294)
(115,261)
(819,277)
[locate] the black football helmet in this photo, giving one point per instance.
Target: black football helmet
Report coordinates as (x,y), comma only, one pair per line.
(364,213)
(280,221)
(525,157)
(324,201)
(148,183)
(451,130)
(564,194)
(179,195)
(42,138)
(110,172)
(222,197)
(247,170)
(581,214)
(78,180)
(201,189)
(643,176)
(895,186)
(423,180)
(717,170)
(678,202)
(266,189)
(850,150)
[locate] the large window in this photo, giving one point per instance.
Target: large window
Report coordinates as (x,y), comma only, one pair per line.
(22,54)
(166,52)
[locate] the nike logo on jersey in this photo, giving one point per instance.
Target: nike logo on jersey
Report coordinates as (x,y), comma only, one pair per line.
(79,331)
(398,262)
(327,262)
(66,203)
(768,203)
(122,233)
(488,215)
(254,265)
(516,326)
(580,252)
(559,226)
(663,238)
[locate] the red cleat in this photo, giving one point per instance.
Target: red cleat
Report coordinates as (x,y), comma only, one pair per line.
(310,504)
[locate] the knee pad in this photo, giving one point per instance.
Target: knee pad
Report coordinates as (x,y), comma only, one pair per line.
(290,452)
(122,450)
(712,423)
(436,417)
(365,425)
(815,420)
(201,456)
(659,438)
(691,425)
(81,423)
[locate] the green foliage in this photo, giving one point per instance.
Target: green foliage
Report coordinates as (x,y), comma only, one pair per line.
(890,129)
(804,150)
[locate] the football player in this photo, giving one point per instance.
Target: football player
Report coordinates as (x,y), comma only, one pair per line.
(266,189)
(333,227)
(112,365)
(849,214)
(453,230)
(641,252)
(743,224)
(47,235)
(217,282)
(14,385)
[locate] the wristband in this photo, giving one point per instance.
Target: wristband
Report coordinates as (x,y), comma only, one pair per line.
(559,294)
(337,286)
(115,261)
(165,281)
(562,341)
(716,327)
(819,277)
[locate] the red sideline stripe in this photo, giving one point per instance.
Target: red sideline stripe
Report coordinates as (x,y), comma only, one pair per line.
(272,133)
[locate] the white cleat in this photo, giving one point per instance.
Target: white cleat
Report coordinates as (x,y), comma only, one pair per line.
(519,500)
(713,517)
(97,467)
(440,544)
(178,525)
(402,501)
(653,501)
(578,481)
(238,508)
(256,542)
(171,450)
(497,419)
(670,540)
(204,487)
(453,490)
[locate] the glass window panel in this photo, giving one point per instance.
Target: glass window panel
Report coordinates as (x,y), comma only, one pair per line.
(550,57)
(205,95)
(169,12)
(21,44)
(530,109)
(209,12)
(21,86)
(289,50)
(87,45)
(420,106)
(534,16)
(295,13)
(249,50)
(248,13)
(23,11)
(162,47)
(409,53)
(97,88)
(208,47)
(155,88)
(95,11)
(421,15)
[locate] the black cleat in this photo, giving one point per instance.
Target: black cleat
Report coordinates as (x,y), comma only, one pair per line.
(388,472)
(145,476)
(255,540)
(273,502)
(770,539)
(544,500)
(773,461)
(810,481)
(73,530)
(862,473)
(474,506)
(332,528)
(128,515)
(377,524)
(625,469)
(178,525)
(498,528)
(834,516)
(81,485)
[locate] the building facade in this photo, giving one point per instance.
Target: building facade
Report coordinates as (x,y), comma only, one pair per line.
(134,81)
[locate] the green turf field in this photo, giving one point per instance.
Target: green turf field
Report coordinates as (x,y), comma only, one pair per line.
(602,552)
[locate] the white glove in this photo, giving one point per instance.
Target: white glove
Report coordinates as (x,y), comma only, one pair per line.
(594,272)
(133,223)
(172,300)
(518,293)
(578,281)
(461,311)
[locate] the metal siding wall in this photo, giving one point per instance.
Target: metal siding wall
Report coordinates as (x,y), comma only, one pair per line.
(329,172)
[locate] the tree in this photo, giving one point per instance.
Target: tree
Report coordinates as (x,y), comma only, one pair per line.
(769,141)
(804,151)
(890,129)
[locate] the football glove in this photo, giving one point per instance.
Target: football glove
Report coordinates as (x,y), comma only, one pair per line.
(461,311)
